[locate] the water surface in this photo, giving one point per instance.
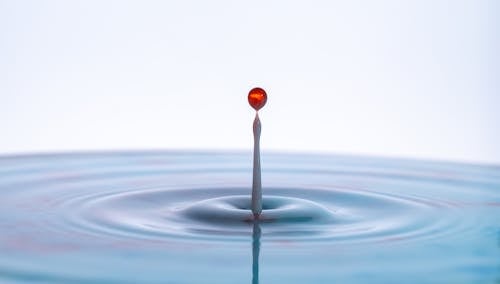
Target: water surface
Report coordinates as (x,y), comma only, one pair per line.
(184,217)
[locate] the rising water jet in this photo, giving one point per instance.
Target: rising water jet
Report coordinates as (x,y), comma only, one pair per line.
(257,98)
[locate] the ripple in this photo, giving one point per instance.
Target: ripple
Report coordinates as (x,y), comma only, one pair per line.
(161,216)
(237,209)
(221,214)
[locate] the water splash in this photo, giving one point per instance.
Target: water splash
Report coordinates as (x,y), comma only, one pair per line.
(257,98)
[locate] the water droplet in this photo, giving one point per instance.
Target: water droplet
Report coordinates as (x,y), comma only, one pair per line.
(257,98)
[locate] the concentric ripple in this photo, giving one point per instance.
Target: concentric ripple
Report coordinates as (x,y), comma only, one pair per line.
(222,214)
(194,207)
(181,197)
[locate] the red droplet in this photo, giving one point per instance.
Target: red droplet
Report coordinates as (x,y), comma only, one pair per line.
(257,98)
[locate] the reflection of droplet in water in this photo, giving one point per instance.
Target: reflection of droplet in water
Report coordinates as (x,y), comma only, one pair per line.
(257,98)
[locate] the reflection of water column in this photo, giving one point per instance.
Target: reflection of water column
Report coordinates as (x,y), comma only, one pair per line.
(256,184)
(498,243)
(255,252)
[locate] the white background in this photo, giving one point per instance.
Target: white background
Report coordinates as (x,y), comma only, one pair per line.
(416,79)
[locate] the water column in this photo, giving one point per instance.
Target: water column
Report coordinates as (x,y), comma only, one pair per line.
(257,98)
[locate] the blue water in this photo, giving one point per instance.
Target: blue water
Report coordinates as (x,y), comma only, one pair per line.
(184,217)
